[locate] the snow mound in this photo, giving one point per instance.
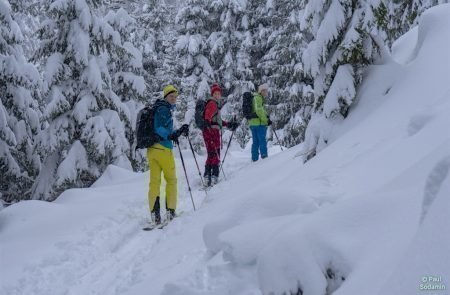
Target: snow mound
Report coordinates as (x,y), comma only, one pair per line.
(403,47)
(424,266)
(114,174)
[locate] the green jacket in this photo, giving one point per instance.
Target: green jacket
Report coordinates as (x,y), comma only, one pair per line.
(260,110)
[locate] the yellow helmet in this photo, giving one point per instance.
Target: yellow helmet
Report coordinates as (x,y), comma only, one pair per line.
(169,89)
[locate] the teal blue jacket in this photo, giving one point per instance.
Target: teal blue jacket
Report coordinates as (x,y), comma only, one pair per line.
(163,122)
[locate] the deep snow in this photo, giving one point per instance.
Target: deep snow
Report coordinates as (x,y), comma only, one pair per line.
(367,215)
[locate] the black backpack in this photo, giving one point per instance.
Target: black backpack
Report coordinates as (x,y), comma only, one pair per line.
(247,106)
(200,113)
(145,133)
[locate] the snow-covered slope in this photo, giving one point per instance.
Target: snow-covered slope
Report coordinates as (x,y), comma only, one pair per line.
(368,215)
(382,174)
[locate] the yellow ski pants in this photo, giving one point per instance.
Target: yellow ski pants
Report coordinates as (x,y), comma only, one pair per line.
(161,159)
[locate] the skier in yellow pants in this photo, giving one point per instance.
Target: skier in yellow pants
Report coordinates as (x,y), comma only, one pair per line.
(161,159)
(160,155)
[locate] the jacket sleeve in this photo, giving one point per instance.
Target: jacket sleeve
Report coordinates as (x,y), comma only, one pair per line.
(210,111)
(259,109)
(162,121)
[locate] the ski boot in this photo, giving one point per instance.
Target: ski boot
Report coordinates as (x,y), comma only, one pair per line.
(170,214)
(155,214)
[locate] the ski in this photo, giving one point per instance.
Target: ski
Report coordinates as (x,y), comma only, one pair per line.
(162,225)
(205,188)
(208,187)
(155,226)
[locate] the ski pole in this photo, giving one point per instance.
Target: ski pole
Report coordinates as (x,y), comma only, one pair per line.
(196,163)
(218,157)
(221,167)
(185,174)
(279,142)
(223,172)
(228,146)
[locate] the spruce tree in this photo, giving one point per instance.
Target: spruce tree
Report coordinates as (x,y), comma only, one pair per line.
(154,18)
(19,112)
(126,68)
(394,17)
(340,49)
(86,129)
(27,14)
(192,51)
(291,92)
(231,43)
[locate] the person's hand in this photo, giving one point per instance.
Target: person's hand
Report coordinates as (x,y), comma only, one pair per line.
(184,130)
(269,122)
(174,137)
(233,125)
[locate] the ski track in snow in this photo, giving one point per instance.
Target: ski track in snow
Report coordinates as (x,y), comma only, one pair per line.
(117,242)
(86,260)
(81,264)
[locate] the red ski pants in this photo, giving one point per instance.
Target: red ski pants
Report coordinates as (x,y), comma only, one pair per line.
(211,136)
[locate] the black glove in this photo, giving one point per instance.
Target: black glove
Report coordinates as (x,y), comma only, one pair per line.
(184,130)
(233,125)
(174,137)
(269,122)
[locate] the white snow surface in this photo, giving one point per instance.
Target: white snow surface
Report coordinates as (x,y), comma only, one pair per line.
(367,215)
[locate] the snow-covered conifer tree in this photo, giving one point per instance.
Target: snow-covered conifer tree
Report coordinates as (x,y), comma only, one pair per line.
(86,129)
(195,71)
(126,68)
(291,96)
(27,15)
(395,18)
(192,49)
(19,112)
(231,43)
(155,21)
(335,58)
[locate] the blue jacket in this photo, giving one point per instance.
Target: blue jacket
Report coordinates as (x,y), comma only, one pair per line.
(163,122)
